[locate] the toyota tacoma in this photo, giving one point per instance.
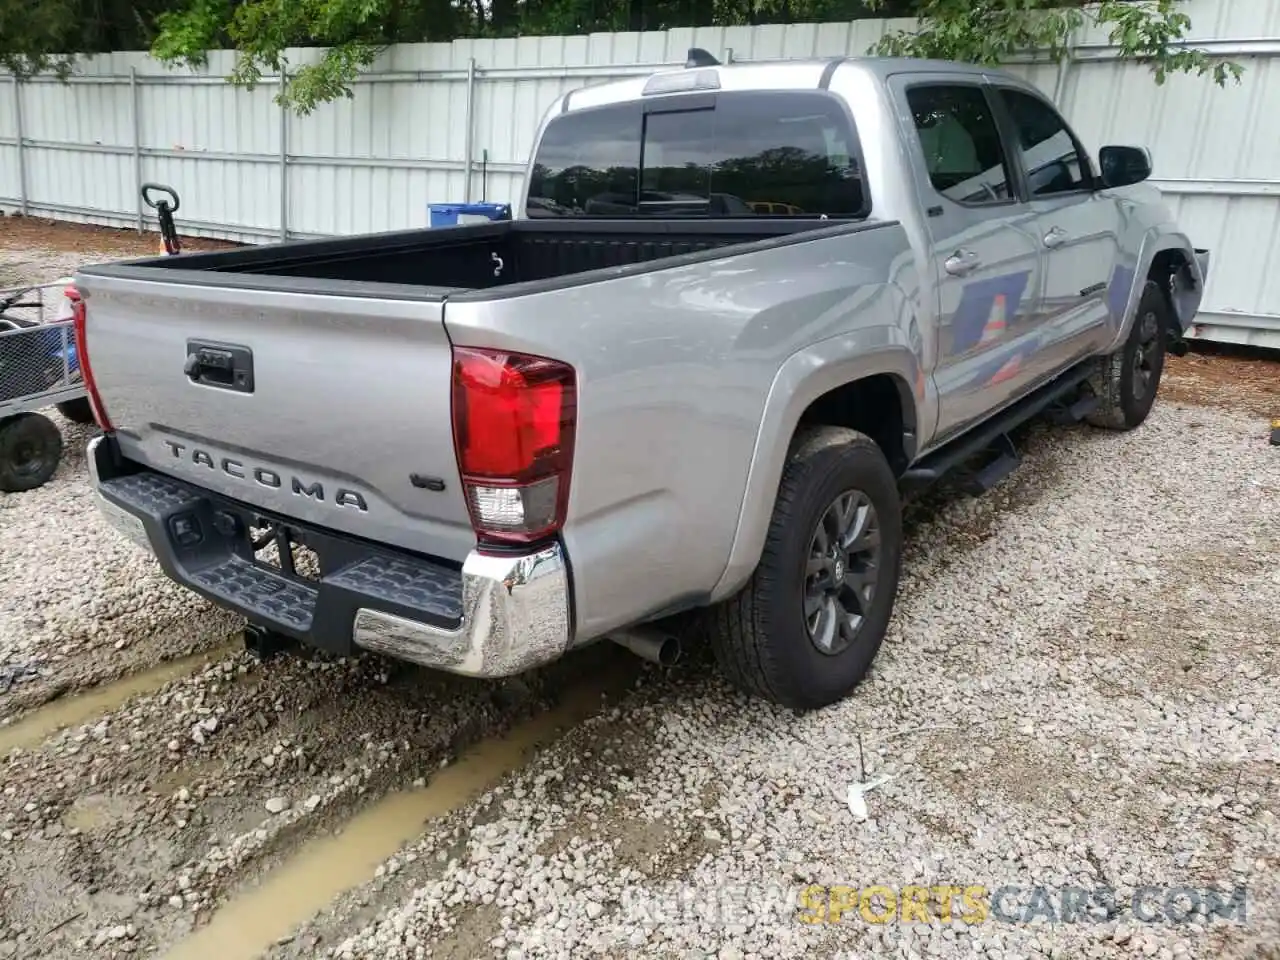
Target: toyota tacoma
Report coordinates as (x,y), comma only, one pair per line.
(742,313)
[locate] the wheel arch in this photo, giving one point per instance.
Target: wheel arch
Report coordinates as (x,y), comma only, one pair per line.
(1179,273)
(834,382)
(880,405)
(1168,258)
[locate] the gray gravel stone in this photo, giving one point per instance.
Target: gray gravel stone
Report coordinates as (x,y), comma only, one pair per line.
(1056,678)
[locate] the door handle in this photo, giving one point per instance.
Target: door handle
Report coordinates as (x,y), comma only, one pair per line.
(1055,238)
(961,262)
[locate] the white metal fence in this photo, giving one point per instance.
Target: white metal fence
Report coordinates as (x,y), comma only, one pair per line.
(455,122)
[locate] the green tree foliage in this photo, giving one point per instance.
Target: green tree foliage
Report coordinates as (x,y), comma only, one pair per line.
(30,33)
(991,31)
(38,34)
(354,32)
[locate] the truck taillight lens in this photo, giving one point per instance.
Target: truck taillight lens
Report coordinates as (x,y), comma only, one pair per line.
(513,427)
(78,313)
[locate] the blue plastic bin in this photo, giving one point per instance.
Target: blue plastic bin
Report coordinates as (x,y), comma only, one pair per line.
(451,214)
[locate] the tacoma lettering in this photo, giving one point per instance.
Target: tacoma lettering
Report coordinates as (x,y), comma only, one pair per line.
(315,491)
(266,477)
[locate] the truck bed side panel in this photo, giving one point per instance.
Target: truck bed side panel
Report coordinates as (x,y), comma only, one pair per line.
(674,371)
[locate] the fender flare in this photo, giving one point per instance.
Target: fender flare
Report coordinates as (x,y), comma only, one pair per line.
(803,378)
(1154,242)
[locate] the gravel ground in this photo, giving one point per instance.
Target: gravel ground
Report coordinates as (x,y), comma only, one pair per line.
(1079,689)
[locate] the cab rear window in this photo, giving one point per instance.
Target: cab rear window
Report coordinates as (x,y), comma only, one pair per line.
(735,154)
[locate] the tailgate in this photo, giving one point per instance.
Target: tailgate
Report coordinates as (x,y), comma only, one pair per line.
(330,409)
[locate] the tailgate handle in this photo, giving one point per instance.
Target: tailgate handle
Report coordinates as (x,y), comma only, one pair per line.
(226,366)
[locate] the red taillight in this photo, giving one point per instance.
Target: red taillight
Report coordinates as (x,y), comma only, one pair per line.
(513,426)
(78,312)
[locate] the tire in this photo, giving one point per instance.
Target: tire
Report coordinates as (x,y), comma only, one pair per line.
(30,449)
(1127,381)
(763,641)
(77,411)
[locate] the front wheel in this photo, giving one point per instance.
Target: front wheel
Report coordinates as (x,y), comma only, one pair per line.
(1127,381)
(30,449)
(804,630)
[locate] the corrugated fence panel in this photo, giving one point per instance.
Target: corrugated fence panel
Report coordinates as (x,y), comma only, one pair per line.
(94,182)
(236,196)
(10,185)
(1216,154)
(58,172)
(375,161)
(208,117)
(447,122)
(216,145)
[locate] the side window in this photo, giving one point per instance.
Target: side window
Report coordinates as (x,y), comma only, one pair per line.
(961,143)
(1053,162)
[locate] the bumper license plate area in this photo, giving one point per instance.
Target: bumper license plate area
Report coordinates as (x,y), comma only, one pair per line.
(283,548)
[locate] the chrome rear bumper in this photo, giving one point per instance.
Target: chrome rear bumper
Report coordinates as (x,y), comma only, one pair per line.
(515,615)
(497,616)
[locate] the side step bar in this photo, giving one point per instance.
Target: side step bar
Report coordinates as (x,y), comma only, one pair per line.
(931,468)
(1077,411)
(1005,462)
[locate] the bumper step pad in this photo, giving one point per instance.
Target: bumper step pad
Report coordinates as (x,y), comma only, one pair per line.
(397,581)
(244,584)
(189,533)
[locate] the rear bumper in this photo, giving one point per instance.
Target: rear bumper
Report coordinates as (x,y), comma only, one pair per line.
(494,617)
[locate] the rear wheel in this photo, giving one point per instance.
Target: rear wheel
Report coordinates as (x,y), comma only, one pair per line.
(804,630)
(1127,381)
(30,448)
(77,411)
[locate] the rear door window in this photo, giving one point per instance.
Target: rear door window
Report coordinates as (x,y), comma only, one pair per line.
(785,153)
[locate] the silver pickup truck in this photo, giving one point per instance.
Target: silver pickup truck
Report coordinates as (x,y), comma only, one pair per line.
(742,312)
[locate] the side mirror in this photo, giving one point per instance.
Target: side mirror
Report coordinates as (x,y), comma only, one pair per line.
(1122,166)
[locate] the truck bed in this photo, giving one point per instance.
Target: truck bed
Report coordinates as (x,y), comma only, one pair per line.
(314,381)
(433,264)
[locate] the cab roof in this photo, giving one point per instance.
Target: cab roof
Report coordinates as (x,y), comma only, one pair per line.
(704,72)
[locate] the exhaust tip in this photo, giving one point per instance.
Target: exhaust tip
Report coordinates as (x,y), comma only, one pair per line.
(663,649)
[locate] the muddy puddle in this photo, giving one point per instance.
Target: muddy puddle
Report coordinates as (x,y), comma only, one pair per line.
(259,915)
(71,711)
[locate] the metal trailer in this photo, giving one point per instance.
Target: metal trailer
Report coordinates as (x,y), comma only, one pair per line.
(38,369)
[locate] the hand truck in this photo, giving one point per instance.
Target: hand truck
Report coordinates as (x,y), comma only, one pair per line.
(169,242)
